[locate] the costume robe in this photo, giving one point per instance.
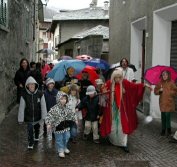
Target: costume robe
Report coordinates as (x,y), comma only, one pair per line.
(120,115)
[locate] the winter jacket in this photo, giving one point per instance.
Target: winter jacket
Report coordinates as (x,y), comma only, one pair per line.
(60,117)
(92,107)
(32,105)
(83,87)
(44,70)
(50,98)
(36,74)
(167,97)
(21,77)
(67,79)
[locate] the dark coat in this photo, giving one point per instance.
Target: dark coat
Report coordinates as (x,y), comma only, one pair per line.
(92,107)
(66,79)
(50,98)
(83,87)
(36,74)
(20,78)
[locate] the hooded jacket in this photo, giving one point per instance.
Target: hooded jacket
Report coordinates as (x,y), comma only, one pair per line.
(32,104)
(60,117)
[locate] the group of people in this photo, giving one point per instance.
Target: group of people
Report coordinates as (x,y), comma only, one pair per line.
(106,109)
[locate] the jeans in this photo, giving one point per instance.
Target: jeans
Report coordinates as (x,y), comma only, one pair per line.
(32,132)
(73,130)
(61,140)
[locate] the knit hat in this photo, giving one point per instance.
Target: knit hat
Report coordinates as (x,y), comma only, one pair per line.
(99,81)
(49,81)
(90,90)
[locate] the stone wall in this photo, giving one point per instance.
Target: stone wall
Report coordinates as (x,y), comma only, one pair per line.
(16,41)
(90,45)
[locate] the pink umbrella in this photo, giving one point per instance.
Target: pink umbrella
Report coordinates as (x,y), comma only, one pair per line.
(84,57)
(153,74)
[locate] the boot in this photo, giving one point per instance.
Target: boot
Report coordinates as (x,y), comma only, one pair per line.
(162,132)
(126,149)
(168,131)
(85,137)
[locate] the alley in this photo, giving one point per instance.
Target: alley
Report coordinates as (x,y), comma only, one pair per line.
(147,149)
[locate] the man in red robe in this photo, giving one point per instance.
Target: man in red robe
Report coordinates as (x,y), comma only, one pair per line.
(119,117)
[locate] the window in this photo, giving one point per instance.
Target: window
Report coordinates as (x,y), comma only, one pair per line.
(3,12)
(44,34)
(69,52)
(45,45)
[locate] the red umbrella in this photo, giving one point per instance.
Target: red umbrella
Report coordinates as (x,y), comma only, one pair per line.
(84,57)
(92,73)
(153,74)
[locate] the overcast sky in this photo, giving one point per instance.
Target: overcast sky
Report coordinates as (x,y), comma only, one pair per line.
(71,4)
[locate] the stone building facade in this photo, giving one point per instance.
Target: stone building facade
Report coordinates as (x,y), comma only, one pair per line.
(68,23)
(18,22)
(145,33)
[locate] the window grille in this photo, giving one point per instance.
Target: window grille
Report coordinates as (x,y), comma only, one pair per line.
(3,12)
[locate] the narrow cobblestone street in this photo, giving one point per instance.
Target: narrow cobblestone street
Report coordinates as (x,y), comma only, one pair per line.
(147,149)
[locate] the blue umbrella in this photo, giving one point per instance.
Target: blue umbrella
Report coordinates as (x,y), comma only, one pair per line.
(59,71)
(98,63)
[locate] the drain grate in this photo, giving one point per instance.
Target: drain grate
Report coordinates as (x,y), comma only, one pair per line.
(132,163)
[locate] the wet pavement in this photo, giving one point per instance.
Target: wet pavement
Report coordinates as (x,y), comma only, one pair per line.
(147,149)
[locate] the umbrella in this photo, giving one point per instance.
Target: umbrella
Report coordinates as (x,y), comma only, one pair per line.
(59,71)
(45,51)
(92,73)
(98,63)
(55,61)
(153,74)
(65,58)
(133,67)
(84,57)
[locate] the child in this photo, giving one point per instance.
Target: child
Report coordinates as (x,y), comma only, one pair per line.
(90,102)
(99,85)
(73,102)
(32,110)
(50,96)
(60,118)
(103,97)
(167,91)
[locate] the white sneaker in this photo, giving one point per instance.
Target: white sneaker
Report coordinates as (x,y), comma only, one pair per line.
(36,139)
(30,147)
(61,155)
(67,151)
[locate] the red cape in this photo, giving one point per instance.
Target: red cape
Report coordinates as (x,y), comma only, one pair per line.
(127,107)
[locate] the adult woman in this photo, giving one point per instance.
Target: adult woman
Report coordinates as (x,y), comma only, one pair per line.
(121,110)
(167,91)
(21,76)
